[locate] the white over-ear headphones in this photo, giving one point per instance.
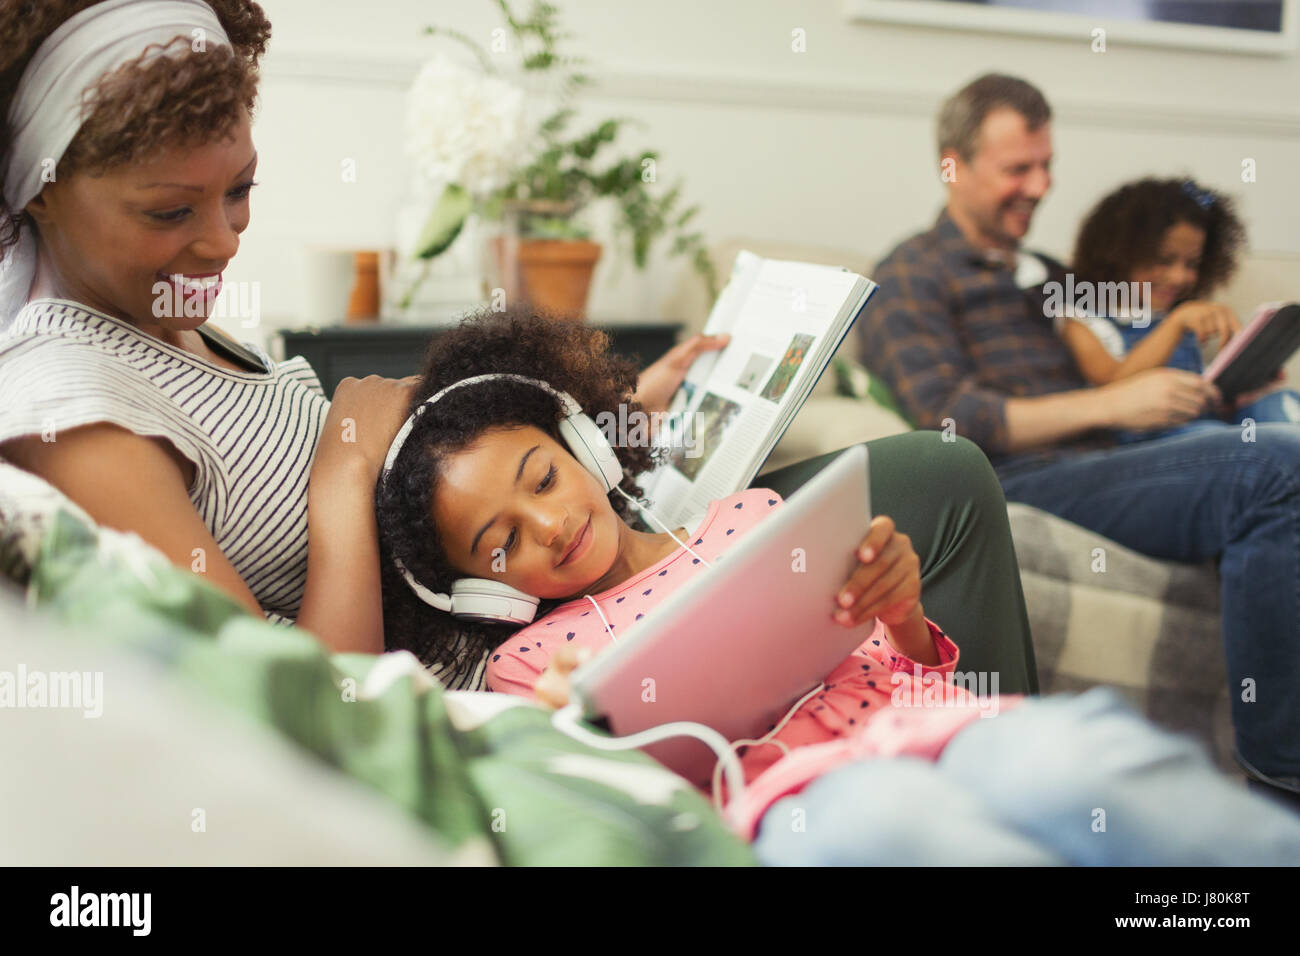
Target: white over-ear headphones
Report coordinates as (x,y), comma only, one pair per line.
(482,599)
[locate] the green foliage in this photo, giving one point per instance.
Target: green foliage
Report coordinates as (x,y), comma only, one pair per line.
(573,170)
(445,224)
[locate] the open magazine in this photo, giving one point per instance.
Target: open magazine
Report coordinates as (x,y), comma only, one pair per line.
(786,321)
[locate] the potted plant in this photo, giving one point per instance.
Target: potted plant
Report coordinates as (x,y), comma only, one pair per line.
(546,252)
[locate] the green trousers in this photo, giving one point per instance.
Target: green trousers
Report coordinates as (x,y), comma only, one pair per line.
(945,496)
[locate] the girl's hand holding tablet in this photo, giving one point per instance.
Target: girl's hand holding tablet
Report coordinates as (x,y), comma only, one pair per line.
(887,586)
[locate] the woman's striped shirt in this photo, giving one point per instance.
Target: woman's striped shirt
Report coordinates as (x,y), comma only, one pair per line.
(251,435)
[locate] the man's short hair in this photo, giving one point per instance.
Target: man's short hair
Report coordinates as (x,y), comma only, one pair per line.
(962,114)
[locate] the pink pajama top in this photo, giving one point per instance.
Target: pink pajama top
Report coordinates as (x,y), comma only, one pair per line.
(876,702)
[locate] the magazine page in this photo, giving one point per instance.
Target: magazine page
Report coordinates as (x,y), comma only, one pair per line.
(724,416)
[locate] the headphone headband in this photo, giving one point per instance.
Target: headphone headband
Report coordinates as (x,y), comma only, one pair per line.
(569,406)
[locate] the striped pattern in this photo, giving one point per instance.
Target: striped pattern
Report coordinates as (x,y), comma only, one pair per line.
(251,435)
(469,671)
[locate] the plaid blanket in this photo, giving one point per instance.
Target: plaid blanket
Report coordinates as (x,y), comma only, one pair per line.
(1103,614)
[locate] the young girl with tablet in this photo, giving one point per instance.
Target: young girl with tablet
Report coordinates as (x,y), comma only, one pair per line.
(483,488)
(1181,242)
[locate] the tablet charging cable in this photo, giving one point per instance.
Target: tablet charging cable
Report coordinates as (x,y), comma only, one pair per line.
(567,721)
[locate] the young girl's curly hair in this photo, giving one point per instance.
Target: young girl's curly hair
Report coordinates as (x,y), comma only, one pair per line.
(1124,230)
(568,356)
(186,99)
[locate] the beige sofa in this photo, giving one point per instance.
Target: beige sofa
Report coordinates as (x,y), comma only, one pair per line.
(1148,627)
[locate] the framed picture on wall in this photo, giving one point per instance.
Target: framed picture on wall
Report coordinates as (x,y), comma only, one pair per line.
(1246,26)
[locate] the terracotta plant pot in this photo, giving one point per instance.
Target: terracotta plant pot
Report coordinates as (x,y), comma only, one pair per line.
(556,274)
(363,303)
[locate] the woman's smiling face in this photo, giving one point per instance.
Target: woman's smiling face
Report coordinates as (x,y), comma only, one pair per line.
(516,507)
(174,218)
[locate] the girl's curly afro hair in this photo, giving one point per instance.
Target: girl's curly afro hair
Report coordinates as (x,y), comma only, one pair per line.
(1124,230)
(180,100)
(567,355)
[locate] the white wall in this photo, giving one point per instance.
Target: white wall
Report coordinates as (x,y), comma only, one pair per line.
(832,146)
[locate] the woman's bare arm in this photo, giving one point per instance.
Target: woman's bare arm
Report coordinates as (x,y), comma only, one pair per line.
(343,600)
(342,603)
(129,482)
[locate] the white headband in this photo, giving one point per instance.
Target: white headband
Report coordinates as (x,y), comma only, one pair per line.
(45,113)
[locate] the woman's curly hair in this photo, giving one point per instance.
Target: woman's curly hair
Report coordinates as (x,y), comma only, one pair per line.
(173,101)
(567,355)
(1124,230)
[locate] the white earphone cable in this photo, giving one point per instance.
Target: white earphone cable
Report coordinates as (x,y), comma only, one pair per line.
(643,509)
(767,737)
(639,506)
(608,627)
(566,720)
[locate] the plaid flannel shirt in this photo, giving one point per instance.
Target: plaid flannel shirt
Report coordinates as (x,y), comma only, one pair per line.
(953,336)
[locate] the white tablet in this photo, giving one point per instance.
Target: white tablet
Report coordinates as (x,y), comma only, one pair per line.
(736,646)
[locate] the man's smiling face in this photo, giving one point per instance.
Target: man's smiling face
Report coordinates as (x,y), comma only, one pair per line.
(992,196)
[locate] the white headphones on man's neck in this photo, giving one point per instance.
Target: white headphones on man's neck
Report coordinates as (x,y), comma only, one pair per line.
(482,599)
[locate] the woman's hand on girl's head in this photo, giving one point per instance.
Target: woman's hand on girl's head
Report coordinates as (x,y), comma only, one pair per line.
(657,384)
(364,417)
(1207,320)
(343,596)
(887,582)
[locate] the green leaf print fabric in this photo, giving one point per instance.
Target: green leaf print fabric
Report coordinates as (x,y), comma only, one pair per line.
(486,771)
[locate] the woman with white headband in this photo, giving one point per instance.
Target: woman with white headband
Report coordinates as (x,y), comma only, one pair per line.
(127,167)
(127,163)
(147,418)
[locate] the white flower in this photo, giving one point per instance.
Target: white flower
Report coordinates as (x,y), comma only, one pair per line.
(464,126)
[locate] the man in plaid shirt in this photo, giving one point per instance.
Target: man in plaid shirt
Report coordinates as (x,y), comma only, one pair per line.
(960,333)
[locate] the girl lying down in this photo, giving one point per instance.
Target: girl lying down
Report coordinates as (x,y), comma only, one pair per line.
(874,766)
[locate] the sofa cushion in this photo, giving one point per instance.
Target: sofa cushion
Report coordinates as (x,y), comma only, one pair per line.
(828,424)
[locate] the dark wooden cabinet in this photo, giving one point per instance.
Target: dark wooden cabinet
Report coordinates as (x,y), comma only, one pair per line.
(396,350)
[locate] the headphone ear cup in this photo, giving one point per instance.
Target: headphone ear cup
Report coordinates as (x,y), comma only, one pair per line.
(591,448)
(492,602)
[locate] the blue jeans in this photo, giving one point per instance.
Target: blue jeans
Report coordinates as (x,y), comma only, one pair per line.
(1281,405)
(1196,496)
(1081,780)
